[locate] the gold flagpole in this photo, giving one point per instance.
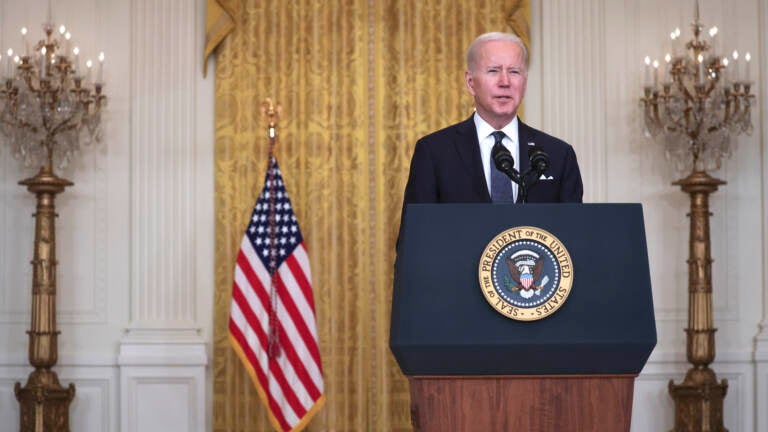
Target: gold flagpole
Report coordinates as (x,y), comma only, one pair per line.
(273,341)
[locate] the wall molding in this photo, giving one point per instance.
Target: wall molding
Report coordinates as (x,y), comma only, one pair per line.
(65,359)
(659,356)
(163,354)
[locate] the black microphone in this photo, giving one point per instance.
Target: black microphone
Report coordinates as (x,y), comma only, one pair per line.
(539,159)
(504,162)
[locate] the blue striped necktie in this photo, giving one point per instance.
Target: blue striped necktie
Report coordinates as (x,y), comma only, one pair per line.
(501,185)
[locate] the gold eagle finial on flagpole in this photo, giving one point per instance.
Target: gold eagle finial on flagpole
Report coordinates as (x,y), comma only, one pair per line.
(272,112)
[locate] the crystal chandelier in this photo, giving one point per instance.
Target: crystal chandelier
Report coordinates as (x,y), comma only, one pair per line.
(702,102)
(48,107)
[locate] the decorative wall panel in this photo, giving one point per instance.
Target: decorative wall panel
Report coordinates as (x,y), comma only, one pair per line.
(82,209)
(162,399)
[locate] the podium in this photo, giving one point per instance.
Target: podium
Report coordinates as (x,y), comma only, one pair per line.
(470,368)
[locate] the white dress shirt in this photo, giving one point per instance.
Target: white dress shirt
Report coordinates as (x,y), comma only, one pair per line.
(487,141)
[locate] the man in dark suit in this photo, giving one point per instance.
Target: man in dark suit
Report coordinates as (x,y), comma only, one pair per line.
(454,165)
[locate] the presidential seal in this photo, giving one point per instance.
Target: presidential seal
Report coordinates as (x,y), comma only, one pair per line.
(525,273)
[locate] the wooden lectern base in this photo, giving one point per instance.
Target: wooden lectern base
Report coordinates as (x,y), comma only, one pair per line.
(524,403)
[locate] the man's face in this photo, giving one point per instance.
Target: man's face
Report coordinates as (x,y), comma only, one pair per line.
(497,81)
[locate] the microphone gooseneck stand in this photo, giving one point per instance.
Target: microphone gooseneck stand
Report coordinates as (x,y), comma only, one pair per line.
(539,162)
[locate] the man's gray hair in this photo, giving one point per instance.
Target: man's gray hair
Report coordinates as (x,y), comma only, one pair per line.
(474,47)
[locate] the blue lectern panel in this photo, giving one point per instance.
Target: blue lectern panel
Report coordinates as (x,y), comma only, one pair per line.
(442,324)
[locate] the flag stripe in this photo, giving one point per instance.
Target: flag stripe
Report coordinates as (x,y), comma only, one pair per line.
(292,374)
(256,336)
(257,276)
(260,361)
(297,331)
(304,290)
(300,261)
(235,328)
(302,372)
(275,411)
(293,277)
(309,361)
(253,340)
(295,302)
(289,394)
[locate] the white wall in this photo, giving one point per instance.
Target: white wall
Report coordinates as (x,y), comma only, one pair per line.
(135,234)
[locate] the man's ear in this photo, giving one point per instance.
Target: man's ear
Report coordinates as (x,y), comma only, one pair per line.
(469,82)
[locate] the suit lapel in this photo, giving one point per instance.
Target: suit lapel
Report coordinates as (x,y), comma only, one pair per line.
(525,135)
(468,148)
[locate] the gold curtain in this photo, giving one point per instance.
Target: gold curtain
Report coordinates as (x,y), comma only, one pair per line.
(359,81)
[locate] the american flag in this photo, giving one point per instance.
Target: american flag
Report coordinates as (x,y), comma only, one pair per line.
(272,317)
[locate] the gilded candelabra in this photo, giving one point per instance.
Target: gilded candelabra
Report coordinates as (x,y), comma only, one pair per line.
(48,109)
(702,102)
